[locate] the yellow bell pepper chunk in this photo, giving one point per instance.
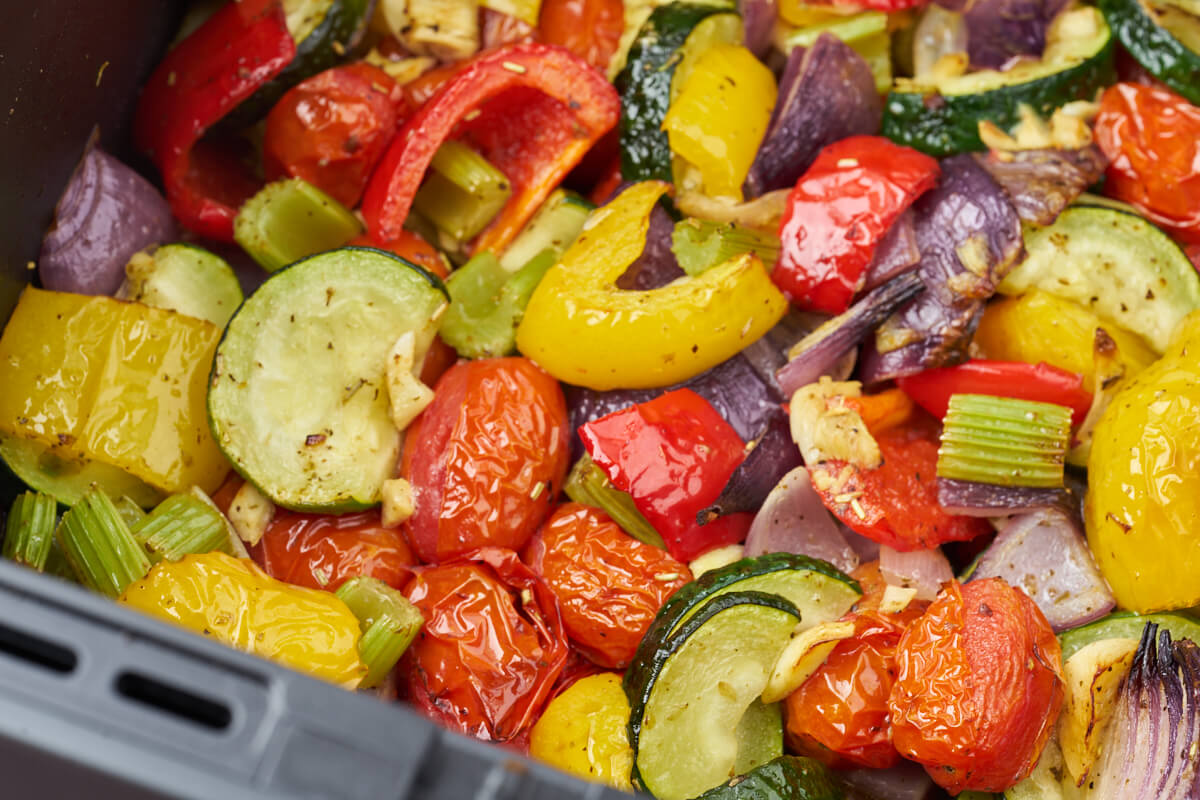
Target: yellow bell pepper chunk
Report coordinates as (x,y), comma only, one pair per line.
(720,116)
(584,731)
(122,384)
(1037,326)
(584,330)
(239,605)
(1143,502)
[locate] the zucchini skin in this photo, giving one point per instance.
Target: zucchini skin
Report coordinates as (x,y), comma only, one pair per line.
(1152,46)
(941,125)
(784,778)
(645,89)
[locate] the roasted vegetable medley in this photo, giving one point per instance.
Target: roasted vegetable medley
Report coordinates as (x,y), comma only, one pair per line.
(756,399)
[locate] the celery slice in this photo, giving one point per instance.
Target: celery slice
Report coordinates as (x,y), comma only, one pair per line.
(186,279)
(99,546)
(30,530)
(130,511)
(181,525)
(700,244)
(289,220)
(1004,441)
(487,304)
(555,226)
(462,193)
(588,484)
(388,620)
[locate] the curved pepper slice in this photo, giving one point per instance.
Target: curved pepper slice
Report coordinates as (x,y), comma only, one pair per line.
(239,605)
(584,330)
(534,110)
(227,59)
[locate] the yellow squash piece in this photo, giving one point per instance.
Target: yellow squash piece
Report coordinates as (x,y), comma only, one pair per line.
(584,731)
(720,116)
(1037,326)
(121,384)
(239,605)
(1143,500)
(584,330)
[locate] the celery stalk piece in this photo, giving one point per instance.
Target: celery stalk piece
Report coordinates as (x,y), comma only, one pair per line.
(130,511)
(555,226)
(462,192)
(289,220)
(181,525)
(1004,441)
(99,546)
(588,484)
(700,244)
(486,304)
(30,530)
(389,624)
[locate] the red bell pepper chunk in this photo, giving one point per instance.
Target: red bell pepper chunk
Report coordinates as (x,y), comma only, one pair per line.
(1042,382)
(531,109)
(837,213)
(237,50)
(673,455)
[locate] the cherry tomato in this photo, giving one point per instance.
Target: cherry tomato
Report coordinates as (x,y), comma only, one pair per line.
(1151,137)
(978,688)
(486,458)
(895,504)
(840,714)
(591,29)
(491,648)
(410,247)
(321,551)
(331,129)
(608,584)
(1193,252)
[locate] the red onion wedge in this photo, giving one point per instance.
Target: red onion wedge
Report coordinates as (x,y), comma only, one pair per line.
(973,499)
(1041,183)
(905,781)
(758,19)
(1000,30)
(896,253)
(106,214)
(794,520)
(818,353)
(1150,750)
(772,455)
(923,570)
(1044,554)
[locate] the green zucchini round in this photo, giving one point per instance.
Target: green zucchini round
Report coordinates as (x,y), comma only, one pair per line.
(1164,39)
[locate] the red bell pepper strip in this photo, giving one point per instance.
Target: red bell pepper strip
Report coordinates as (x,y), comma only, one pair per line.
(837,213)
(236,51)
(673,455)
(539,109)
(1042,382)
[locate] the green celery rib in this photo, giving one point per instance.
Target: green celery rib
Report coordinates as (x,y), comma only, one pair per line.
(181,525)
(389,623)
(700,244)
(30,530)
(487,304)
(462,193)
(587,484)
(1004,441)
(99,546)
(289,220)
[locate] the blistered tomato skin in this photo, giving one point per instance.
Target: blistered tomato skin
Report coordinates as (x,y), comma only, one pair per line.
(1143,502)
(978,687)
(608,584)
(491,648)
(486,458)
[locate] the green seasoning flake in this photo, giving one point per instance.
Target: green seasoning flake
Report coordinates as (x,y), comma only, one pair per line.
(1004,441)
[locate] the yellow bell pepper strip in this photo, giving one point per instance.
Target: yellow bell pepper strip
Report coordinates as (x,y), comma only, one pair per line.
(584,330)
(720,117)
(583,731)
(1143,500)
(123,384)
(239,605)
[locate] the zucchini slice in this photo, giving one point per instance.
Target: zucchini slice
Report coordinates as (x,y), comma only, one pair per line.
(1115,263)
(66,479)
(645,84)
(759,736)
(689,693)
(1126,625)
(298,398)
(1162,37)
(784,778)
(941,116)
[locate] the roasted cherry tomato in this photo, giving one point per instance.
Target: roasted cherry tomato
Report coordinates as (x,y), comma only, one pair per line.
(591,29)
(608,584)
(491,648)
(332,128)
(837,213)
(410,247)
(840,714)
(896,503)
(1152,139)
(322,551)
(978,687)
(486,458)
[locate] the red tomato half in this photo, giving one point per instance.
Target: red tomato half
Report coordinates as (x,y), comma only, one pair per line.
(332,128)
(486,458)
(491,649)
(978,688)
(608,584)
(591,29)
